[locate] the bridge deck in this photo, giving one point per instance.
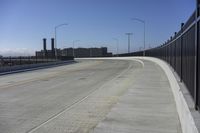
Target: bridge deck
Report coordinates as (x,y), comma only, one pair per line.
(148,106)
(90,96)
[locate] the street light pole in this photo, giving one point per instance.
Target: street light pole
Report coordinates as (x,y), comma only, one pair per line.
(73,46)
(144,23)
(129,40)
(117,44)
(65,24)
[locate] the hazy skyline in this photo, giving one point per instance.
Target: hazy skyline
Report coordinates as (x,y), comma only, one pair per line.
(24,23)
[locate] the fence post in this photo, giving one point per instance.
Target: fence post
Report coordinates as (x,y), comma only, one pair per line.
(36,59)
(171,48)
(196,56)
(20,60)
(181,76)
(29,60)
(175,54)
(10,63)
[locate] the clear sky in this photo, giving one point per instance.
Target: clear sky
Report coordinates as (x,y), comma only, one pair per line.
(23,23)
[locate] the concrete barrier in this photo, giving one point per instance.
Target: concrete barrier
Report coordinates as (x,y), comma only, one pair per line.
(188,124)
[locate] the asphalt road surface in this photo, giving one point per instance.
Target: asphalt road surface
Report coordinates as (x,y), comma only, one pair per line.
(70,98)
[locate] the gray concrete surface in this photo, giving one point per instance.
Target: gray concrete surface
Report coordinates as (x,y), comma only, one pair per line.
(148,106)
(189,117)
(90,96)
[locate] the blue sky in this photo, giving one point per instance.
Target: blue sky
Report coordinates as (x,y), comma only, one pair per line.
(23,23)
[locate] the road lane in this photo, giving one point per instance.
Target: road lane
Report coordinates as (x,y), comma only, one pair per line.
(29,99)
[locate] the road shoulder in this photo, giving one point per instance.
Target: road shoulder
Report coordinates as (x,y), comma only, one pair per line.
(147,106)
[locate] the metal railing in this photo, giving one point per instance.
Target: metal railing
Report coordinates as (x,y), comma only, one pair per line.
(182,52)
(10,64)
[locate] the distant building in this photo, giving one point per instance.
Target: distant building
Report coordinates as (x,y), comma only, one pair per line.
(86,52)
(46,53)
(77,52)
(67,52)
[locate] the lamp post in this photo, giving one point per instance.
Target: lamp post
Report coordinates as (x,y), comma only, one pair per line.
(73,46)
(129,40)
(56,27)
(142,21)
(117,44)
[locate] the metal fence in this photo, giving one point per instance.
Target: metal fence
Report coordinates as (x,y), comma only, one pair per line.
(179,52)
(182,52)
(10,64)
(138,53)
(22,60)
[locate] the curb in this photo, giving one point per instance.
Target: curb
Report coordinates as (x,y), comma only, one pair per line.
(189,118)
(186,119)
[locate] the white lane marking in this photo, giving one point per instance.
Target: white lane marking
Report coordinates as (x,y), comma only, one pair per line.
(77,102)
(115,58)
(139,62)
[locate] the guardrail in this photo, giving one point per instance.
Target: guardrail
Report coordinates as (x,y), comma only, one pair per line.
(16,64)
(182,52)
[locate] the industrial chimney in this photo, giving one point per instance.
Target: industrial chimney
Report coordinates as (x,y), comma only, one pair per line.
(45,46)
(52,47)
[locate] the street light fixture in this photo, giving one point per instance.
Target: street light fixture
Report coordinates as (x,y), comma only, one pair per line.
(142,21)
(117,44)
(56,27)
(73,46)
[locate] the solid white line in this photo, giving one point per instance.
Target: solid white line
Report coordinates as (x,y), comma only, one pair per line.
(139,62)
(115,58)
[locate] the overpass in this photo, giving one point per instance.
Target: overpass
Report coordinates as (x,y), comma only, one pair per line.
(127,94)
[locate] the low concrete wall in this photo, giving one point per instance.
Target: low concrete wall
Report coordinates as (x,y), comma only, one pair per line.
(187,121)
(189,117)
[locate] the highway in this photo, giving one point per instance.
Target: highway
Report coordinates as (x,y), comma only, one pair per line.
(33,101)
